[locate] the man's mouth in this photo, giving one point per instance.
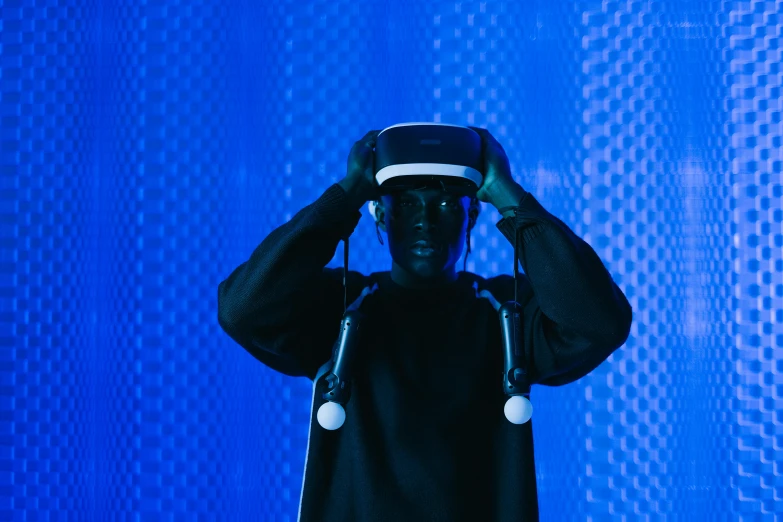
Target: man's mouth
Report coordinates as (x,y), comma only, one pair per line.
(425,248)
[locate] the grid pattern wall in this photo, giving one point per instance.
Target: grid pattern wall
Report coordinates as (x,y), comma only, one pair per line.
(148,147)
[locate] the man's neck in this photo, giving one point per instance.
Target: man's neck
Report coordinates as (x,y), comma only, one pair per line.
(405,279)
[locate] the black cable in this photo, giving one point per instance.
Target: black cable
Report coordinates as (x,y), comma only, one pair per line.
(516,247)
(516,262)
(345,275)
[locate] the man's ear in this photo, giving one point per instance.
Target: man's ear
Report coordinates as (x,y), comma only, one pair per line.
(380,215)
(474,209)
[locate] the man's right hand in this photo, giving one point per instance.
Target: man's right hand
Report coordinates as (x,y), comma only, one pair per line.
(359,182)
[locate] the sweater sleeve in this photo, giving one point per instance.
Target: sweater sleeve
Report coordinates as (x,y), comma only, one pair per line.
(575,314)
(282,305)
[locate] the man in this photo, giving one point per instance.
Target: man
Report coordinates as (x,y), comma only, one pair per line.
(425,437)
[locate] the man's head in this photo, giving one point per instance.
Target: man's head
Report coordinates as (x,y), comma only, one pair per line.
(426,230)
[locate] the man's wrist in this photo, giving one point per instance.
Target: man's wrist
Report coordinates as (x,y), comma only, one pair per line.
(505,194)
(356,193)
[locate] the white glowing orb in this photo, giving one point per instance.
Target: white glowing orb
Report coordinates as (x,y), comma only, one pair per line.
(330,416)
(518,409)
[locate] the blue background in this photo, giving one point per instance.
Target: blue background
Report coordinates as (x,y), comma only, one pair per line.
(147,148)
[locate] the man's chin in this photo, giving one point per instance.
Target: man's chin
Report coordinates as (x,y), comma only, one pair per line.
(426,269)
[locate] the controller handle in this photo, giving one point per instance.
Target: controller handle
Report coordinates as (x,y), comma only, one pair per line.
(331,414)
(516,382)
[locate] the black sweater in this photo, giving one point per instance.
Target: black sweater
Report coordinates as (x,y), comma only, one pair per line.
(425,437)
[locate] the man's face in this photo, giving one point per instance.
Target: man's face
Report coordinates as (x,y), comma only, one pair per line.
(426,230)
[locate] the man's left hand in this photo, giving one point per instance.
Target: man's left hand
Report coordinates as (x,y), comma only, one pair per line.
(498,183)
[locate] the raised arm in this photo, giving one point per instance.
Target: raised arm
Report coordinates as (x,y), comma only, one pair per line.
(575,314)
(282,305)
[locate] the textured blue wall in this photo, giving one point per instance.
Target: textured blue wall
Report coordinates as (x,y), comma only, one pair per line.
(147,148)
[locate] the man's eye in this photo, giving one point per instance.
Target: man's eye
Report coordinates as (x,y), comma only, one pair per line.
(449,203)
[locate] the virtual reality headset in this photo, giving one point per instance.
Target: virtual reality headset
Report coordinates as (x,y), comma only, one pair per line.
(418,155)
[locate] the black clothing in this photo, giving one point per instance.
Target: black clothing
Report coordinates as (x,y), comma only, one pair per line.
(425,437)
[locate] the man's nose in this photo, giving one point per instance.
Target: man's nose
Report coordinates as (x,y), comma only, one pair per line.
(427,219)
